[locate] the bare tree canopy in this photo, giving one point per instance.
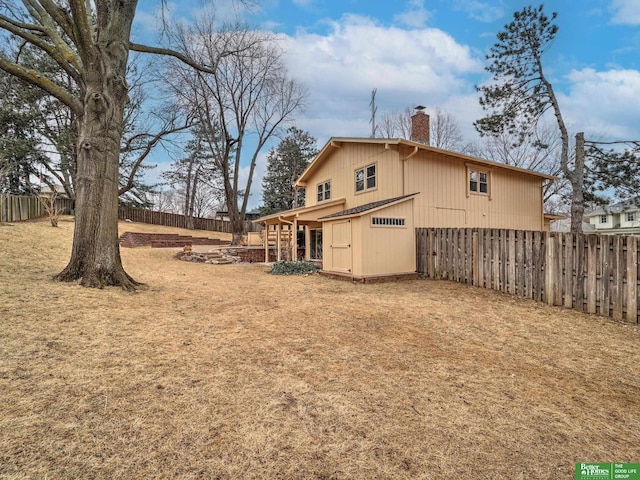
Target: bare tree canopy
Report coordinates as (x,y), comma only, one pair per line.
(444,130)
(248,100)
(539,152)
(90,43)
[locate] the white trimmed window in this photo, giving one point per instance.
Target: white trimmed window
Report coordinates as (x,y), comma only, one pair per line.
(631,217)
(366,178)
(387,222)
(324,191)
(478,181)
(603,218)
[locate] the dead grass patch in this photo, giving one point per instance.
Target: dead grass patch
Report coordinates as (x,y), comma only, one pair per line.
(227,372)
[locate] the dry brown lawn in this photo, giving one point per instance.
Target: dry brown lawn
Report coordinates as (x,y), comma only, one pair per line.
(226,372)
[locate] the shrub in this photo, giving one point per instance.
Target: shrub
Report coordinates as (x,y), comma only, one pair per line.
(293,268)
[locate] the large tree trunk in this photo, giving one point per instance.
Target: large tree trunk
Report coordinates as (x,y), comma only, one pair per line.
(237,224)
(95,256)
(577,186)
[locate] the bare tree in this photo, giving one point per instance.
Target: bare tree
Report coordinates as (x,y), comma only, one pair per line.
(193,173)
(245,102)
(539,152)
(90,42)
(394,124)
(444,130)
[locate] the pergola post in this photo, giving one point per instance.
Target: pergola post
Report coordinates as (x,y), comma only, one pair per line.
(307,242)
(278,246)
(294,241)
(266,243)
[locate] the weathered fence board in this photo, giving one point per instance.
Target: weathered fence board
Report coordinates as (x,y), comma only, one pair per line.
(591,273)
(18,208)
(142,215)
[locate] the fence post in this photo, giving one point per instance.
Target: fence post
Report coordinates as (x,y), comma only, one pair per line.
(632,280)
(549,269)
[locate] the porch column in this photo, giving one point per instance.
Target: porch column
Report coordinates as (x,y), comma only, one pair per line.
(266,243)
(307,243)
(278,234)
(294,241)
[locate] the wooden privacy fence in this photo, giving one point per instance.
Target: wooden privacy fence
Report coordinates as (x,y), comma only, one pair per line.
(18,208)
(591,273)
(174,220)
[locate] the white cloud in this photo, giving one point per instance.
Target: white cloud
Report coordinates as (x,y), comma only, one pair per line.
(626,12)
(604,104)
(342,67)
(481,11)
(416,15)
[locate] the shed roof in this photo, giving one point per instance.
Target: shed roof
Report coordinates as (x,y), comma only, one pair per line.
(368,207)
(296,211)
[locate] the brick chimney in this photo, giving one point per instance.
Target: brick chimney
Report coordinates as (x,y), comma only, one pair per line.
(420,126)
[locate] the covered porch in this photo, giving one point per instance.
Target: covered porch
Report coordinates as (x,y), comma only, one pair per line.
(281,230)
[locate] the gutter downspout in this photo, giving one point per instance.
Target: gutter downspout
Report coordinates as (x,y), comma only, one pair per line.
(404,167)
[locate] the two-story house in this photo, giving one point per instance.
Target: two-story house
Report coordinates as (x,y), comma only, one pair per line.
(618,219)
(366,196)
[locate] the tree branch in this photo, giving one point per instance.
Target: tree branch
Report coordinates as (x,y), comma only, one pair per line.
(36,78)
(171,53)
(61,53)
(146,151)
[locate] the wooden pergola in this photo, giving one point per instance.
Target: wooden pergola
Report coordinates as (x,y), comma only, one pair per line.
(286,225)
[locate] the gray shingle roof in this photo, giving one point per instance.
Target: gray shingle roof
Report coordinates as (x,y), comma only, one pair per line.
(631,205)
(366,207)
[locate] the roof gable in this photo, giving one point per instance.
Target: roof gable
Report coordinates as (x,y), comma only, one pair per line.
(414,147)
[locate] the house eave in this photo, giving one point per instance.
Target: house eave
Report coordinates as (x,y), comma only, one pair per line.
(291,214)
(414,147)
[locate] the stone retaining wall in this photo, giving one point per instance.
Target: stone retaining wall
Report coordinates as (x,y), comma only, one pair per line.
(165,240)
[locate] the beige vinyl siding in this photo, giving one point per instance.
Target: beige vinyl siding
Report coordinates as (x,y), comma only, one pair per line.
(341,166)
(514,199)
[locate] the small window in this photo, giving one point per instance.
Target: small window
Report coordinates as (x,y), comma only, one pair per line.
(631,217)
(478,181)
(366,178)
(603,219)
(324,191)
(387,222)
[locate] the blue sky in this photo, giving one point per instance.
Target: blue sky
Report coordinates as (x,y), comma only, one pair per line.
(431,52)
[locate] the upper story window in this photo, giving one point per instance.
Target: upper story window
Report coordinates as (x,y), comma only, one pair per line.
(366,178)
(631,217)
(478,181)
(324,191)
(603,219)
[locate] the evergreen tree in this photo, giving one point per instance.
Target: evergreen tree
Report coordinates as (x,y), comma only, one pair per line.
(284,165)
(19,154)
(522,93)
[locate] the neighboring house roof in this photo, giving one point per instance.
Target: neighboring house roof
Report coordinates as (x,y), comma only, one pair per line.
(59,189)
(414,147)
(564,225)
(631,205)
(368,207)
